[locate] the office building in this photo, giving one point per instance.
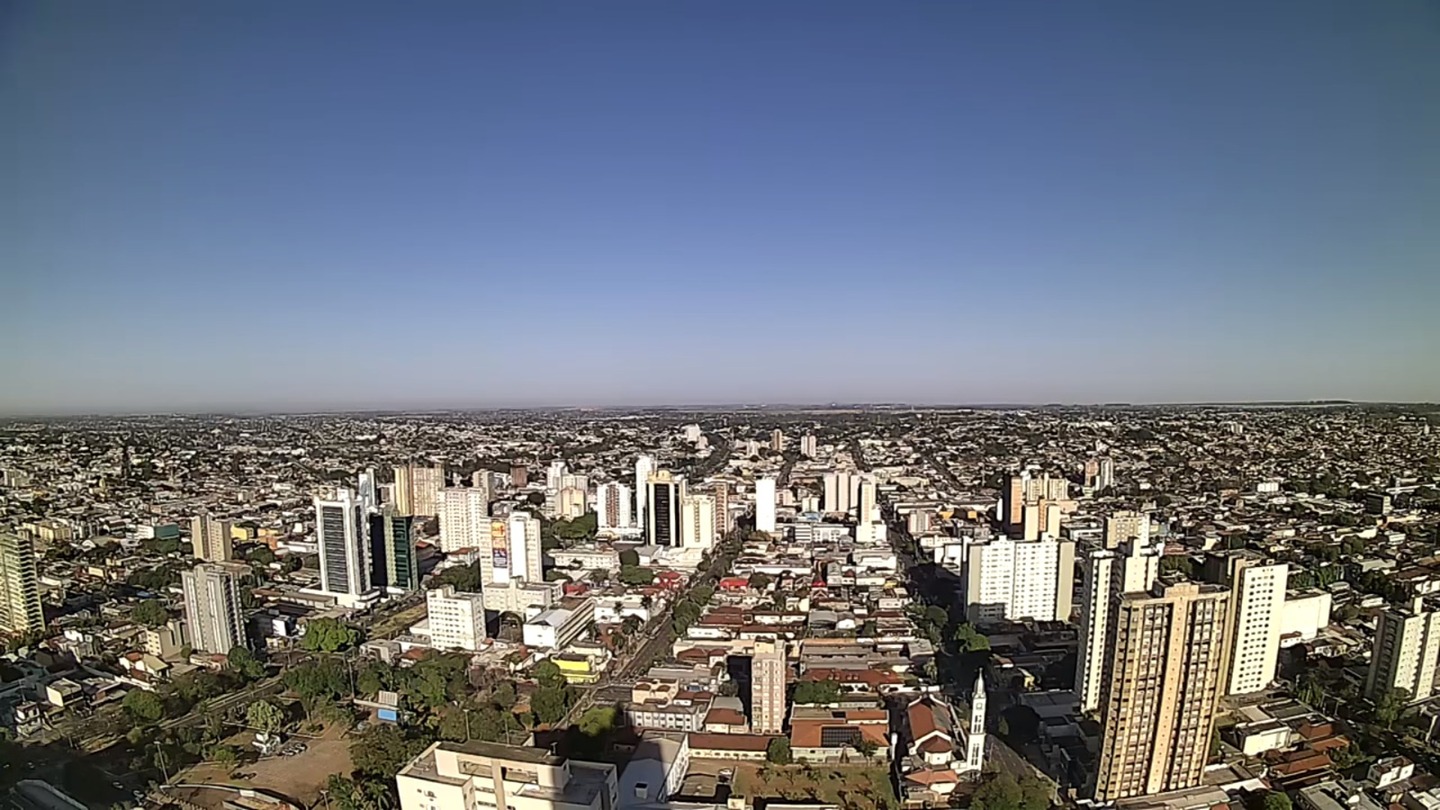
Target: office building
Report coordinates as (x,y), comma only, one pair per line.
(456,620)
(697,521)
(394,559)
(341,532)
(612,507)
(765,504)
(777,441)
(1407,645)
(809,447)
(662,502)
(214,620)
(1257,611)
(417,489)
(1004,579)
(464,517)
(484,776)
(1162,688)
(210,539)
(20,610)
(644,466)
(1105,575)
(768,667)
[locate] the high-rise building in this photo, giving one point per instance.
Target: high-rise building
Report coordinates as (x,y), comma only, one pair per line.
(210,539)
(20,610)
(1163,686)
(809,447)
(697,521)
(456,620)
(1003,579)
(765,504)
(838,489)
(368,490)
(720,491)
(1105,575)
(511,551)
(1022,490)
(341,532)
(214,619)
(768,667)
(612,508)
(394,559)
(644,466)
(417,489)
(1105,476)
(1127,527)
(1257,607)
(464,517)
(555,474)
(1407,646)
(519,475)
(662,502)
(467,775)
(570,503)
(867,510)
(777,440)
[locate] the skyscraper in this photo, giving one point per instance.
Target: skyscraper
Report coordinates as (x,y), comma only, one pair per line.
(368,490)
(1105,575)
(765,505)
(767,686)
(809,447)
(210,539)
(510,551)
(662,527)
(720,491)
(867,508)
(838,488)
(697,521)
(464,516)
(1127,527)
(20,610)
(1407,645)
(417,489)
(1162,688)
(644,465)
(777,440)
(613,506)
(394,559)
(213,615)
(341,530)
(519,475)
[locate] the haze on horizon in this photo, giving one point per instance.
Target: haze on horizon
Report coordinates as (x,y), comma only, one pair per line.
(340,205)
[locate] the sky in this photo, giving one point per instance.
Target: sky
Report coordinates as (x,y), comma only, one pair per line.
(352,205)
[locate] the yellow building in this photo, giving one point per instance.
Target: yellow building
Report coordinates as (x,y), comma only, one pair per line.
(577,668)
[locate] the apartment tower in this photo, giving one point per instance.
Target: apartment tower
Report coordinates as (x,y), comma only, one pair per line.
(768,666)
(210,539)
(1407,645)
(213,616)
(20,610)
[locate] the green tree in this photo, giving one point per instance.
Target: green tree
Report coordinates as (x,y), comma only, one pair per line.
(265,717)
(151,613)
(598,721)
(1270,800)
(224,755)
(549,704)
(968,639)
(827,691)
(243,663)
(504,695)
(261,555)
(547,673)
(328,635)
(1310,688)
(383,750)
(778,751)
(632,575)
(1004,792)
(759,581)
(143,706)
(1390,706)
(865,747)
(629,557)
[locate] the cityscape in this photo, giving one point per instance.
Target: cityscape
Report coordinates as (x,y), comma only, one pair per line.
(1131,607)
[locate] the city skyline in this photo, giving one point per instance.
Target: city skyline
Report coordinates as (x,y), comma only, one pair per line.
(337,207)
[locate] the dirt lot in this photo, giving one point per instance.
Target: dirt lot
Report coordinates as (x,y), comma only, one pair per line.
(299,778)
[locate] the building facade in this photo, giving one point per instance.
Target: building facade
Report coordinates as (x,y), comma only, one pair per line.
(697,521)
(341,531)
(768,669)
(765,505)
(612,508)
(20,609)
(1407,645)
(464,518)
(417,489)
(210,539)
(1106,574)
(1015,579)
(491,776)
(214,619)
(394,559)
(662,504)
(457,620)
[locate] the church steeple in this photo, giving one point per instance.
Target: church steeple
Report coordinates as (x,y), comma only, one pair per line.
(975,739)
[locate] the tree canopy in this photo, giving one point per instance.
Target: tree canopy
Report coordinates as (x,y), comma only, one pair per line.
(328,635)
(151,613)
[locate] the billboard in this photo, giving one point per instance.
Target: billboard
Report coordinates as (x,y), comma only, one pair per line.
(500,547)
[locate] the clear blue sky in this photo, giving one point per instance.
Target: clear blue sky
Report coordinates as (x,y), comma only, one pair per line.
(338,204)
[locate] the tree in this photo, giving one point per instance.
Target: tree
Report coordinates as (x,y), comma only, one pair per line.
(1390,705)
(827,691)
(243,662)
(265,717)
(632,575)
(759,581)
(143,707)
(1310,688)
(224,755)
(383,750)
(547,673)
(549,704)
(778,751)
(504,695)
(261,555)
(151,613)
(328,635)
(865,747)
(1270,800)
(969,639)
(629,557)
(1003,792)
(598,721)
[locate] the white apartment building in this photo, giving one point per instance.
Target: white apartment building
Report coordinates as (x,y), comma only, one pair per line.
(697,521)
(417,489)
(612,508)
(1105,575)
(1258,592)
(768,670)
(839,490)
(765,505)
(556,627)
(214,619)
(1407,645)
(464,518)
(644,466)
(570,503)
(20,608)
(1014,579)
(510,552)
(457,620)
(491,776)
(210,539)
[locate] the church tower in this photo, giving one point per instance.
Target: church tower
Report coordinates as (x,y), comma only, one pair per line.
(975,739)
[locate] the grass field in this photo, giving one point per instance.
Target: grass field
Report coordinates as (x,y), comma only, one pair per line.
(861,787)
